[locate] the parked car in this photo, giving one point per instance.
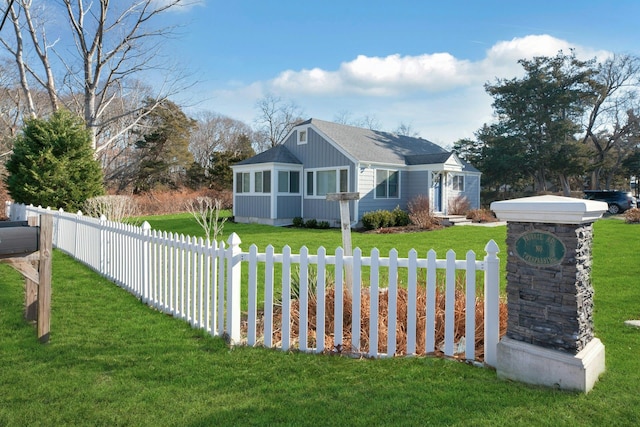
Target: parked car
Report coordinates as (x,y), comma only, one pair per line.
(618,201)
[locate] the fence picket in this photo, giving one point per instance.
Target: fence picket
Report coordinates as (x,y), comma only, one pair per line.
(220,294)
(338,306)
(357,298)
(430,320)
(286,297)
(392,301)
(470,309)
(450,304)
(320,299)
(412,280)
(303,298)
(374,294)
(252,296)
(268,298)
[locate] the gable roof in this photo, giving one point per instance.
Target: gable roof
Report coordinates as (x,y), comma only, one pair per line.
(368,145)
(277,154)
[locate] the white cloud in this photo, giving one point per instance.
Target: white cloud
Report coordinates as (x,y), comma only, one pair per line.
(395,75)
(439,95)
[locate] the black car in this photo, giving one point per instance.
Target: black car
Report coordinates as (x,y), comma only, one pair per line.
(618,201)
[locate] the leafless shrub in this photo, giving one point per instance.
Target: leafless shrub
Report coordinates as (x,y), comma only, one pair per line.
(114,208)
(206,212)
(459,206)
(481,215)
(420,213)
(632,216)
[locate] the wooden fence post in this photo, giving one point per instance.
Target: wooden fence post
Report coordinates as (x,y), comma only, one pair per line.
(31,286)
(345,225)
(44,287)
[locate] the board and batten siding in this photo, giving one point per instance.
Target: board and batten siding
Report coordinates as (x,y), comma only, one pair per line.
(317,152)
(253,206)
(417,184)
(289,207)
(472,190)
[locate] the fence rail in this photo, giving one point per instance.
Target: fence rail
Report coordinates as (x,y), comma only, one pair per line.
(201,282)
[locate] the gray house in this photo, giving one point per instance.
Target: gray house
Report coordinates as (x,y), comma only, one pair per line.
(318,157)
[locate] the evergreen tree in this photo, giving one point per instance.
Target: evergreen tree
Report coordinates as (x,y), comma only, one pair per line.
(53,164)
(220,173)
(163,148)
(539,116)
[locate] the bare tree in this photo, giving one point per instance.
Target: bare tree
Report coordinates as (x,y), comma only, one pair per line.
(368,121)
(406,130)
(276,118)
(215,132)
(114,42)
(613,123)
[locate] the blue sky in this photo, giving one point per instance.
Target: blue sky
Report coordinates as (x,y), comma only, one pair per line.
(420,63)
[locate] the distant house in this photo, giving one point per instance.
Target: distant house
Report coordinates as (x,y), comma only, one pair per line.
(318,157)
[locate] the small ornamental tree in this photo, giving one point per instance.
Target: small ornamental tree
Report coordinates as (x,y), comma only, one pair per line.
(53,164)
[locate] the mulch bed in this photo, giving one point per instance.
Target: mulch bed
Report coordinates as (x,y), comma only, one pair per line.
(346,348)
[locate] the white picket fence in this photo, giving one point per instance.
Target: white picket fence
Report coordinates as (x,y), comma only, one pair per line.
(201,282)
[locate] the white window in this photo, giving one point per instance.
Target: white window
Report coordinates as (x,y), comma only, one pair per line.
(243,182)
(324,181)
(262,183)
(387,184)
(457,183)
(288,182)
(302,136)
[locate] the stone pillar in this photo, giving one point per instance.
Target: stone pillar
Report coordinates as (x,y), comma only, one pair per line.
(550,338)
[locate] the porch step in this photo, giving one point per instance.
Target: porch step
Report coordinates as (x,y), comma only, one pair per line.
(449,220)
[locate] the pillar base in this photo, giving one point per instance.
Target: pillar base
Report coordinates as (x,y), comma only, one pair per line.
(531,364)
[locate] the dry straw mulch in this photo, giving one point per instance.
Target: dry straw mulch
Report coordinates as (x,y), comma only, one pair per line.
(401,331)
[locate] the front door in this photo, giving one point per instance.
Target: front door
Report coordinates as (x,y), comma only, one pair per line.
(437,192)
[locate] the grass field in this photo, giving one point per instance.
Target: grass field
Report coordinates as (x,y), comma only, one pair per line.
(113,361)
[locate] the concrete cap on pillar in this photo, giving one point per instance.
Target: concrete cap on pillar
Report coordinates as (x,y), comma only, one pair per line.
(549,209)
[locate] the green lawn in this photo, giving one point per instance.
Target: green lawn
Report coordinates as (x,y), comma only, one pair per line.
(113,361)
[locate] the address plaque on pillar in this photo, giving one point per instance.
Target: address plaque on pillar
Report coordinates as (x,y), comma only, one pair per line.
(540,248)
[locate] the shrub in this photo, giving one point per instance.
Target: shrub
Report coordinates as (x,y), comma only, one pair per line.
(481,215)
(384,218)
(53,163)
(420,213)
(323,224)
(114,208)
(298,222)
(372,220)
(311,223)
(632,216)
(206,212)
(459,206)
(401,218)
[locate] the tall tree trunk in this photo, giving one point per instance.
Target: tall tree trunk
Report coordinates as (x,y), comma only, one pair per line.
(566,187)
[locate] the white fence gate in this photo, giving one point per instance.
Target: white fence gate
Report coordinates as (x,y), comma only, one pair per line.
(201,282)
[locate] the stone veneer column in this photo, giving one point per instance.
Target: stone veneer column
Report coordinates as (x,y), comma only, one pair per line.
(550,338)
